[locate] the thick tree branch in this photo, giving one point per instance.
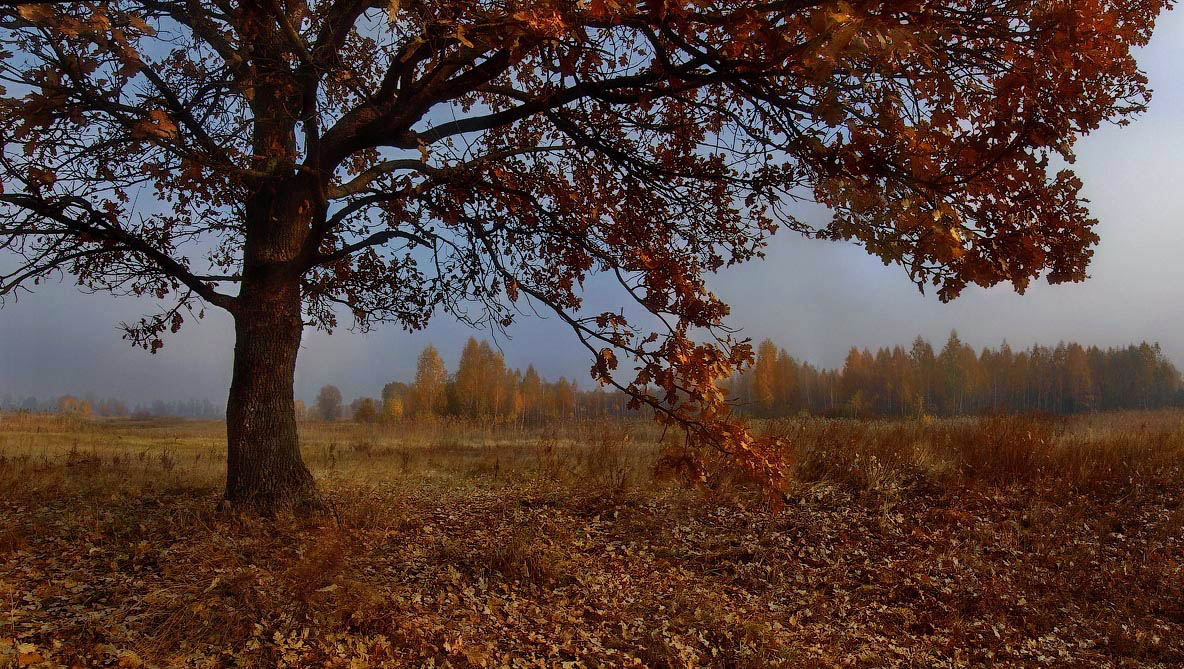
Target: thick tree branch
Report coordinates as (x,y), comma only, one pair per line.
(376,239)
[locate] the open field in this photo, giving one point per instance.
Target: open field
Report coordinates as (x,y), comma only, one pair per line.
(927,543)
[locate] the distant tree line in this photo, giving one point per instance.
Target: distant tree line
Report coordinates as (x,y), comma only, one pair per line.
(1064,379)
(481,387)
(90,404)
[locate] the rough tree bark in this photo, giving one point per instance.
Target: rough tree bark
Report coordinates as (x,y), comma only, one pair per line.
(264,468)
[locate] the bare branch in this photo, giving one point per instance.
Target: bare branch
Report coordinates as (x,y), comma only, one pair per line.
(97,226)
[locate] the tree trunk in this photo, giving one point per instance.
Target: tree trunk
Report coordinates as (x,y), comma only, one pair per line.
(264,469)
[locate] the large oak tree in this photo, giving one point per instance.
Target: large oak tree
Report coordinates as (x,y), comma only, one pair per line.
(289,160)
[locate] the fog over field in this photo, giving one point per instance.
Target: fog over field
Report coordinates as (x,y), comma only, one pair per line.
(816,298)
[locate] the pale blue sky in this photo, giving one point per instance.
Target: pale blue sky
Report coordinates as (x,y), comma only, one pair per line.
(814,298)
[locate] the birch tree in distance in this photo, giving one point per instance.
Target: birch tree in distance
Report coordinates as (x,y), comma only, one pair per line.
(388,160)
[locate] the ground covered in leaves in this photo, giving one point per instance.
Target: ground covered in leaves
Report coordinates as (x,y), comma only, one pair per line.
(112,552)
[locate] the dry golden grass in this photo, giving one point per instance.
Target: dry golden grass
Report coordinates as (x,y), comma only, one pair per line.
(1011,541)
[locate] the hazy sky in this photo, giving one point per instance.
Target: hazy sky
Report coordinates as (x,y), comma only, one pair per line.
(814,298)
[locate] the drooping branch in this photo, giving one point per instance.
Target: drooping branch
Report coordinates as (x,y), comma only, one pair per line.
(96,227)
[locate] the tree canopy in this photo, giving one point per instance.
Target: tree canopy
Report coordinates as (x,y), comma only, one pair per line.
(390,159)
